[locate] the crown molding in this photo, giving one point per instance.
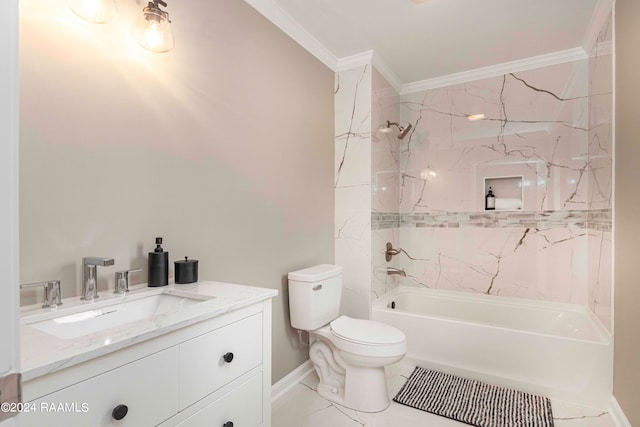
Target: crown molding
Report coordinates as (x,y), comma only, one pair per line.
(353,61)
(370,57)
(533,62)
(598,18)
(281,19)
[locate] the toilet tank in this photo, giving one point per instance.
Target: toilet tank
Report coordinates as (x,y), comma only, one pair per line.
(314,296)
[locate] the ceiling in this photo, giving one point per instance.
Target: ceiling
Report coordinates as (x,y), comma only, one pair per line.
(425,40)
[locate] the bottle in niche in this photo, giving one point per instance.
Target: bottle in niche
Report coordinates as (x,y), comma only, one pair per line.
(490,201)
(158,265)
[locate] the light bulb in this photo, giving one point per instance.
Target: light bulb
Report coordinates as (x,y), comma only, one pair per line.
(153,36)
(153,30)
(98,11)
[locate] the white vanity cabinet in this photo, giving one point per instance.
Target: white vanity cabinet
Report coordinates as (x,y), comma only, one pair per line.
(240,406)
(146,390)
(216,372)
(214,359)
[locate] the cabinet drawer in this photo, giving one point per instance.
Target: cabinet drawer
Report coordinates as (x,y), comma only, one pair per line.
(148,387)
(203,368)
(242,407)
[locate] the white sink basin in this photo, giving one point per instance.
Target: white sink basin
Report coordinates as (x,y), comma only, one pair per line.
(105,317)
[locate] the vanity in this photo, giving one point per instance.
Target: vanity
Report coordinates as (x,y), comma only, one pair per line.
(182,355)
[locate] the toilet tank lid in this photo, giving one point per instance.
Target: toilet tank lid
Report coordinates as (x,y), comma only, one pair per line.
(315,273)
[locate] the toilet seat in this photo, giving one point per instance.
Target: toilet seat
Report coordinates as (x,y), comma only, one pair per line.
(366,337)
(366,331)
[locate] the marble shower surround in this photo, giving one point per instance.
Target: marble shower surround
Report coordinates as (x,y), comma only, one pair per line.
(600,175)
(535,125)
(353,187)
(366,178)
(549,126)
(533,255)
(385,163)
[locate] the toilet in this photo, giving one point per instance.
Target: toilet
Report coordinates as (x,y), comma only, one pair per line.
(349,355)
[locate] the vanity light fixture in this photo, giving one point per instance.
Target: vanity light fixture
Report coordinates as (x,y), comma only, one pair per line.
(98,11)
(153,29)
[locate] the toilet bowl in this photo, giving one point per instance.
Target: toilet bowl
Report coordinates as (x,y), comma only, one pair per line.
(349,355)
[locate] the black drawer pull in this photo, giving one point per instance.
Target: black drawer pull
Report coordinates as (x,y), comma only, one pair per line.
(119,412)
(228,424)
(228,357)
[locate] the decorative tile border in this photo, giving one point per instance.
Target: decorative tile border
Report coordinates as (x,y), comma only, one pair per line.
(383,220)
(599,219)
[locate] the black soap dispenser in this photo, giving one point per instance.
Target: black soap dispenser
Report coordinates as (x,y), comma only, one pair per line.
(158,265)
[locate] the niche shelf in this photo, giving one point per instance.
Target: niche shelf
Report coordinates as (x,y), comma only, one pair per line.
(508,190)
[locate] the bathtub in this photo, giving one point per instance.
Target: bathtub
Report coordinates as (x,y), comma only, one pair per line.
(558,350)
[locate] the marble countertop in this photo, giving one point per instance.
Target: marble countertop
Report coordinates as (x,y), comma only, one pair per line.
(42,353)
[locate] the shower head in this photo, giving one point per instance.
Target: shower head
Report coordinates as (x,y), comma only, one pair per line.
(403,130)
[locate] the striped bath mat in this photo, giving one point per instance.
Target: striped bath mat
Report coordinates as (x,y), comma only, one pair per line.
(473,402)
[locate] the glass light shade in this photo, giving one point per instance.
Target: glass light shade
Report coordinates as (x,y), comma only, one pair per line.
(153,30)
(98,11)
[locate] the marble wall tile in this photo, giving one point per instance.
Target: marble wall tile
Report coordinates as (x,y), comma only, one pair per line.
(534,126)
(551,127)
(600,273)
(353,127)
(548,126)
(544,264)
(353,187)
(382,282)
(384,145)
(385,162)
(600,175)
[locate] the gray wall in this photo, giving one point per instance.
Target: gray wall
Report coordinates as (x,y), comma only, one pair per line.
(223,146)
(627,201)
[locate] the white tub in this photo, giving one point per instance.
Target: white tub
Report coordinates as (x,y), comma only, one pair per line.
(559,350)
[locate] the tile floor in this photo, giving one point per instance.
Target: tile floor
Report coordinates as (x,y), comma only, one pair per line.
(303,407)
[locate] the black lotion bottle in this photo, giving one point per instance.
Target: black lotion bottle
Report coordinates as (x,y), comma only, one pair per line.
(490,201)
(158,265)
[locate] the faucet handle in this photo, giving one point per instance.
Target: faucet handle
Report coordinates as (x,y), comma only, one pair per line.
(122,280)
(52,296)
(390,252)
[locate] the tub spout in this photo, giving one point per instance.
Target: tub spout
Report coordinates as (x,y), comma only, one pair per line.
(392,270)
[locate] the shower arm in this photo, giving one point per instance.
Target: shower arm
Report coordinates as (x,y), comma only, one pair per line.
(403,130)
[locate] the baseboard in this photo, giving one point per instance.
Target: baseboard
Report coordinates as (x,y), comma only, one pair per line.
(290,380)
(617,414)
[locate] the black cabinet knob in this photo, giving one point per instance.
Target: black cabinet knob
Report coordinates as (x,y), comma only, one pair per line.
(119,412)
(228,424)
(228,357)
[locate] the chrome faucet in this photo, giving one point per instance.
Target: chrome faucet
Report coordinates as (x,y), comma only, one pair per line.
(89,275)
(52,297)
(392,270)
(122,281)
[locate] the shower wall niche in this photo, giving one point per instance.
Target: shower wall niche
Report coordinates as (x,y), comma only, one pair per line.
(507,192)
